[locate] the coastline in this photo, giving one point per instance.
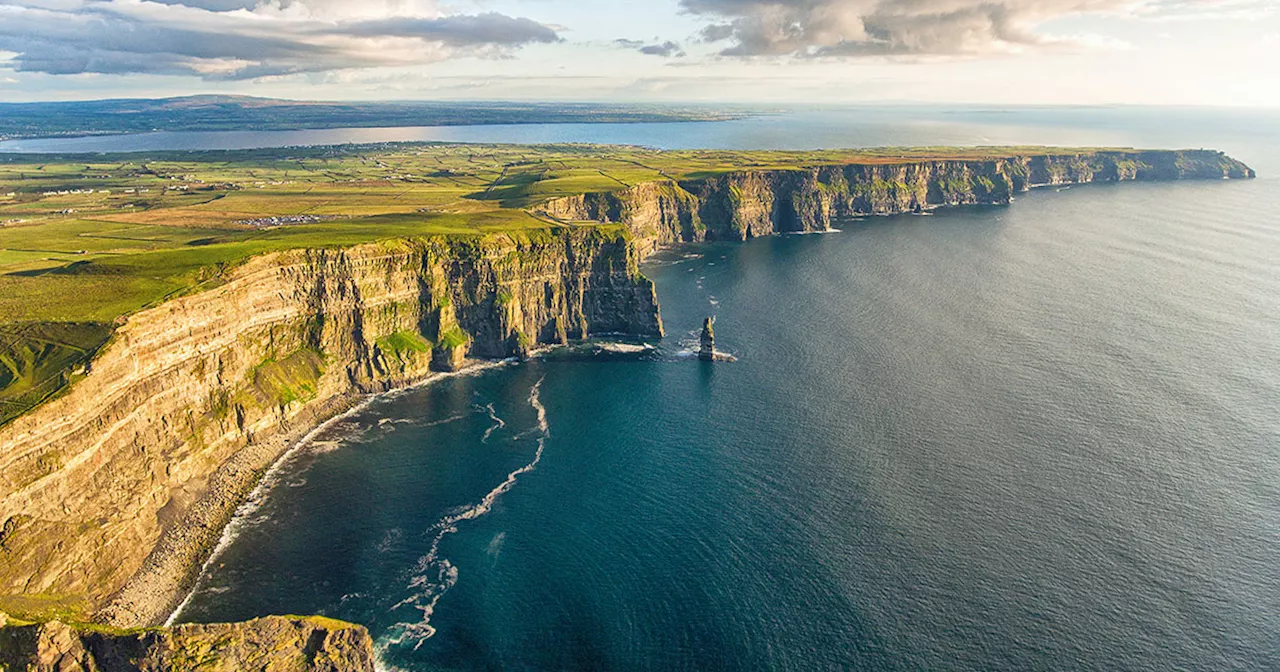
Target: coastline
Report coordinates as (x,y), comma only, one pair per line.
(167,581)
(294,441)
(533,291)
(158,592)
(155,594)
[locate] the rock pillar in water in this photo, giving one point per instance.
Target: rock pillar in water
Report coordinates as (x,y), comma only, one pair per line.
(707,349)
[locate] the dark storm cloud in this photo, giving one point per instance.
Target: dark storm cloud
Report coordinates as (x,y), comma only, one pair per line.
(238,39)
(886,27)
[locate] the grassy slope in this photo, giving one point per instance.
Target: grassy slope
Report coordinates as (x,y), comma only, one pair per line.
(161,224)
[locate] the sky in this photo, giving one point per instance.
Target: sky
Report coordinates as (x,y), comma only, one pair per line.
(1149,52)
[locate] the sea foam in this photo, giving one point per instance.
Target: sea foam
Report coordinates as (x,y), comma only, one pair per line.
(433,576)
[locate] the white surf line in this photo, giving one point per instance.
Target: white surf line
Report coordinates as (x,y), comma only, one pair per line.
(257,496)
(448,420)
(498,424)
(429,589)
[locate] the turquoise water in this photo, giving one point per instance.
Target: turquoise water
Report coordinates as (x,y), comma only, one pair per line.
(1041,436)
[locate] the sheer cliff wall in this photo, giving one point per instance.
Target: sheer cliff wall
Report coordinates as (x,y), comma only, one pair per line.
(745,204)
(126,480)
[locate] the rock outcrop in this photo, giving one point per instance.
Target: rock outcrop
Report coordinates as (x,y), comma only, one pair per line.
(745,204)
(117,490)
(280,644)
(707,341)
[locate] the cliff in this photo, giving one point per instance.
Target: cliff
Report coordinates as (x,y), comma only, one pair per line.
(117,490)
(744,204)
(281,644)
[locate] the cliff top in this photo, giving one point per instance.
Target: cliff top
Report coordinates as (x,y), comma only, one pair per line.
(87,239)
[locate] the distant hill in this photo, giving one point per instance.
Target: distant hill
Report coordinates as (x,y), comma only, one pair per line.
(225,113)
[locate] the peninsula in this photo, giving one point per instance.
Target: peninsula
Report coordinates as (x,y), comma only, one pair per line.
(170,324)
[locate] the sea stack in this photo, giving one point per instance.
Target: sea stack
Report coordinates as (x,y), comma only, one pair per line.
(707,351)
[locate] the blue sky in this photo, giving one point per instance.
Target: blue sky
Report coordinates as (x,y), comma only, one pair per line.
(1198,52)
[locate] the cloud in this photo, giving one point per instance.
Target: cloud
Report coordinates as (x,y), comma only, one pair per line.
(1207,10)
(667,49)
(242,39)
(851,28)
(489,28)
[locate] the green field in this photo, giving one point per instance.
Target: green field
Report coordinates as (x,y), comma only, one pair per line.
(87,239)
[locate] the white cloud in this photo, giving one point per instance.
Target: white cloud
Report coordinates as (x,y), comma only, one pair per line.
(855,28)
(238,39)
(1205,10)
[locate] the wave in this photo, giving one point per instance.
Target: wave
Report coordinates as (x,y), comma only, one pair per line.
(625,348)
(497,424)
(246,513)
(433,575)
(817,232)
(437,423)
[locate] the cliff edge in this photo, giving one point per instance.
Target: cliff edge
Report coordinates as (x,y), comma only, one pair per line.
(737,205)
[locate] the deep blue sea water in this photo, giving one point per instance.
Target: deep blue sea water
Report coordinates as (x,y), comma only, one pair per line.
(1043,436)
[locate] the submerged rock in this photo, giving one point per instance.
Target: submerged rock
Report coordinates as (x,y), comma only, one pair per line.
(277,643)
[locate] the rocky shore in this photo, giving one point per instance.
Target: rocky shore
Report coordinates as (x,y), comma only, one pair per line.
(164,579)
(280,644)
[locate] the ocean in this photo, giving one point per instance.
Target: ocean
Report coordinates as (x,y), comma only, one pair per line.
(1042,436)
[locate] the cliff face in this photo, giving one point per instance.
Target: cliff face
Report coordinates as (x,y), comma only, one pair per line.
(128,478)
(274,643)
(746,204)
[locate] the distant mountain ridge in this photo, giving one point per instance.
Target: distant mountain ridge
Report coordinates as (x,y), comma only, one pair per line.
(217,112)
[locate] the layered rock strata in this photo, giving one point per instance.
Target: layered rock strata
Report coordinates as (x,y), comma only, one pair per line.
(117,490)
(280,644)
(745,204)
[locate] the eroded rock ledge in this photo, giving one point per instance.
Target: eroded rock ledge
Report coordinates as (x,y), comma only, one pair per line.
(281,644)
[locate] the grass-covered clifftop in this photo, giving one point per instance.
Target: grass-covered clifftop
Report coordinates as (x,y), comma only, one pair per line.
(86,240)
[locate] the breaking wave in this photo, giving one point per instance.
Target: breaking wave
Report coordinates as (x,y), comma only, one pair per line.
(498,423)
(344,431)
(433,575)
